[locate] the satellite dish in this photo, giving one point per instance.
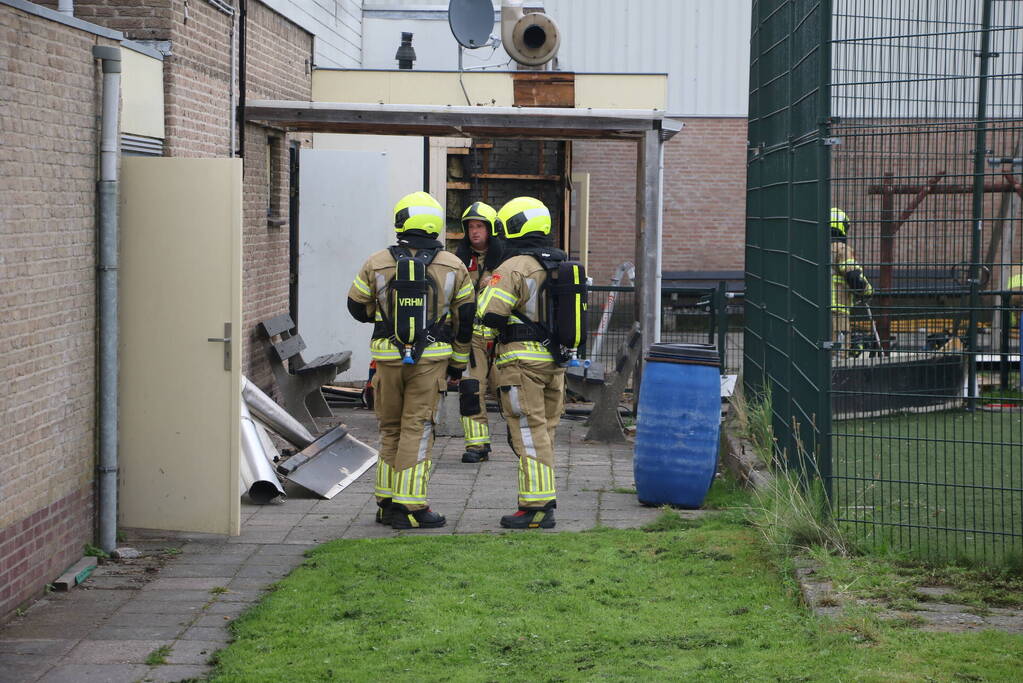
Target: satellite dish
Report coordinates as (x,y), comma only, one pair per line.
(471,22)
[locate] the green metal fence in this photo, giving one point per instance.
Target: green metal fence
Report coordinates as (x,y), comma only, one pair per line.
(786,250)
(693,315)
(908,116)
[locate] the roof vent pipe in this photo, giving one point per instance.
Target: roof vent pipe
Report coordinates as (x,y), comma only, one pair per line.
(406,54)
(530,39)
(66,7)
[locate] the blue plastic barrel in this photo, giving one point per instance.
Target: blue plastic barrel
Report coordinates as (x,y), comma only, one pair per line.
(678,425)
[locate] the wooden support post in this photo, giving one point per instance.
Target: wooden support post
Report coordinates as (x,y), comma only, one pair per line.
(649,184)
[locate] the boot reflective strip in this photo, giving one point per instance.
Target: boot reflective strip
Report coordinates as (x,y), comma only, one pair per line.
(521,423)
(475,432)
(410,484)
(385,477)
(536,481)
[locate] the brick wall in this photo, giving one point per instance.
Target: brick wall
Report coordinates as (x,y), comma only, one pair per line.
(47,295)
(704,198)
(197,92)
(278,68)
(139,19)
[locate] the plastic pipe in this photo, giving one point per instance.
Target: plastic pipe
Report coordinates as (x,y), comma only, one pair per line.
(106,295)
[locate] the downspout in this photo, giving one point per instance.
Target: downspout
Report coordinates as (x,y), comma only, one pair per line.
(66,7)
(242,39)
(234,75)
(106,294)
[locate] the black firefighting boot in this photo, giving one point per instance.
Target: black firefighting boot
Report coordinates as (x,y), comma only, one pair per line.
(403,518)
(531,518)
(384,511)
(475,454)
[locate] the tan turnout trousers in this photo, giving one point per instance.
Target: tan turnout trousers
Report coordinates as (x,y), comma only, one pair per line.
(532,399)
(406,398)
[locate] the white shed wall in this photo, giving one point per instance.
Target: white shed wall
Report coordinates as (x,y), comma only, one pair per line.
(336,25)
(702,45)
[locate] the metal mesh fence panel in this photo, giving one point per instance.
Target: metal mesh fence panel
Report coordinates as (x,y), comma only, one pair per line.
(787,200)
(926,104)
(688,315)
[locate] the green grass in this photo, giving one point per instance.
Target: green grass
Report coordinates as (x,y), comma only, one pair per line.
(158,656)
(947,484)
(682,600)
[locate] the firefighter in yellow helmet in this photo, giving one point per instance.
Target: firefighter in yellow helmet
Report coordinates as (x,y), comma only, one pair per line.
(531,385)
(848,283)
(480,250)
(422,305)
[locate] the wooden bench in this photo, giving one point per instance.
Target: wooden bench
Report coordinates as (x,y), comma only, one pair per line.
(300,384)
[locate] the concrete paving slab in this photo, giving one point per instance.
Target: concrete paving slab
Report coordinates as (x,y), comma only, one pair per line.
(113,651)
(247,595)
(24,668)
(143,619)
(193,652)
(39,647)
(175,672)
(207,634)
(195,584)
(231,609)
(151,632)
(95,673)
(213,620)
(162,603)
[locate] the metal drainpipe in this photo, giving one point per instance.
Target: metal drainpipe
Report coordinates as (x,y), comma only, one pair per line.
(243,33)
(234,75)
(66,7)
(106,294)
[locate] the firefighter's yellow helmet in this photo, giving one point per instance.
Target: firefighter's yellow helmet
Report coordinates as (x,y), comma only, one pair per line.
(418,211)
(524,215)
(479,211)
(839,222)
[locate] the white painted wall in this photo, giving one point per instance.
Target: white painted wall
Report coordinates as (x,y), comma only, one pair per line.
(336,25)
(703,46)
(345,217)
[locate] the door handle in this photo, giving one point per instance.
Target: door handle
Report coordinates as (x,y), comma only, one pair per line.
(226,341)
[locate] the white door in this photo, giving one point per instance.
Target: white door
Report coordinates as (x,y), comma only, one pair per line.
(180,285)
(344,216)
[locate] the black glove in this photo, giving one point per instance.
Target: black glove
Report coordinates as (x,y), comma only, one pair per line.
(454,374)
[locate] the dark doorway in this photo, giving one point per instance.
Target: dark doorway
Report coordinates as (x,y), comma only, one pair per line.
(293,153)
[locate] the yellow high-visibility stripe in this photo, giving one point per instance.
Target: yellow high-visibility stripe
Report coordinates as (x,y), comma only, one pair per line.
(522,354)
(362,286)
(460,357)
(504,296)
(465,291)
(578,310)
